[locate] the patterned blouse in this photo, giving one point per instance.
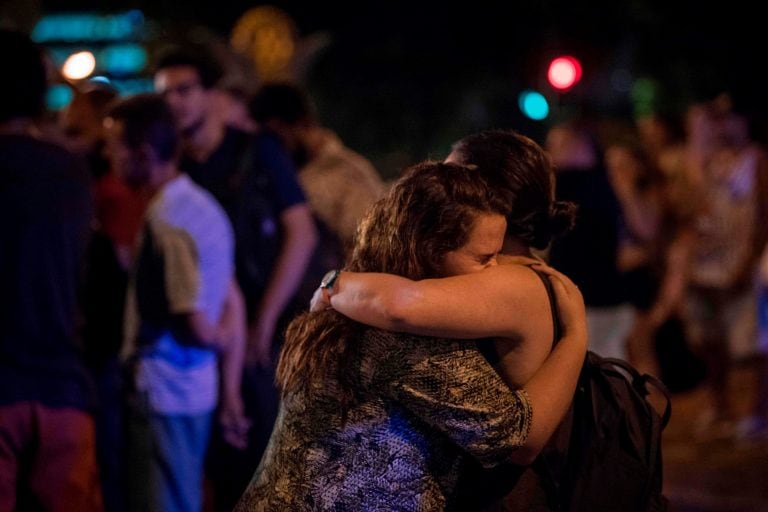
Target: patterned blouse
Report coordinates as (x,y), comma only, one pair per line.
(422,406)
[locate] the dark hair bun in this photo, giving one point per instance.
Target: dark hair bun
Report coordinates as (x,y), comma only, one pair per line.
(539,229)
(562,217)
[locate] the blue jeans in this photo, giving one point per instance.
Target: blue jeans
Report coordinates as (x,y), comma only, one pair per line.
(230,469)
(165,459)
(179,446)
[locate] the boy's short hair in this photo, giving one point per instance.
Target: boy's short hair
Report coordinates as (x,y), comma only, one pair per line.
(147,119)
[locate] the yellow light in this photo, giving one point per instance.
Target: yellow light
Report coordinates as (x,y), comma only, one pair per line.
(268,36)
(79,65)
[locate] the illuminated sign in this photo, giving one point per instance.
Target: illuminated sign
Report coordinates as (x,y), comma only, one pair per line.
(84,27)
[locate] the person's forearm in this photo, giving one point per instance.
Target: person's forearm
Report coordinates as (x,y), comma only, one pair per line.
(374,299)
(551,392)
(234,425)
(675,279)
(232,326)
(640,214)
(232,361)
(198,330)
(398,304)
(299,240)
(467,306)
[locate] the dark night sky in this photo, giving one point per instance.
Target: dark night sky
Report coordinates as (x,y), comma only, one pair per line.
(415,75)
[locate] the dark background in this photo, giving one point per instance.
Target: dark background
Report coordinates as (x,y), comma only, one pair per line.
(401,80)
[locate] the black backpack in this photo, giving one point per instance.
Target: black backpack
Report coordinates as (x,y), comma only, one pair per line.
(613,456)
(606,455)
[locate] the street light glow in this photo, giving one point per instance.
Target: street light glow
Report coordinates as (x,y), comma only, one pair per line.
(79,65)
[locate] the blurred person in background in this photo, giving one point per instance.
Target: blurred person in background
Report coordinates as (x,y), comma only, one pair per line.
(118,208)
(117,219)
(589,253)
(232,104)
(340,184)
(632,178)
(754,427)
(730,236)
(654,258)
(81,121)
(184,315)
(47,434)
(252,176)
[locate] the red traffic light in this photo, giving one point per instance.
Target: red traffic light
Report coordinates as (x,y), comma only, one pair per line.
(564,72)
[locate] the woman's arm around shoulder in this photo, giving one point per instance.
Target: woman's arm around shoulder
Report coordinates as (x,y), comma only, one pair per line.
(496,302)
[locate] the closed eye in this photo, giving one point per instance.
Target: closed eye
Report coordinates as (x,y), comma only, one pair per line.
(485,259)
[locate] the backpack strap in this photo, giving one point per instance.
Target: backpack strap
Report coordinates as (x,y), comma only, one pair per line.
(557,329)
(640,382)
(541,465)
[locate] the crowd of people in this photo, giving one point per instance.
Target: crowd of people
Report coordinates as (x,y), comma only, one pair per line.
(166,345)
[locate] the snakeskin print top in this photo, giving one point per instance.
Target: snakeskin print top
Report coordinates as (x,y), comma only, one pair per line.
(423,406)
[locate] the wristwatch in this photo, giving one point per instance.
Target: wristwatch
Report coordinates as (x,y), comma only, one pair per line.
(329,280)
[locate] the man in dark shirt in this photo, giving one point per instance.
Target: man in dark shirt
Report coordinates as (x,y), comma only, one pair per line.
(254,180)
(588,254)
(47,440)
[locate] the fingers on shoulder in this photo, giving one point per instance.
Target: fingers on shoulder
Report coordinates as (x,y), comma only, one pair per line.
(558,277)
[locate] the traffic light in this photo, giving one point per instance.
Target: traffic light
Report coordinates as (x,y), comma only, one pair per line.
(533,104)
(564,72)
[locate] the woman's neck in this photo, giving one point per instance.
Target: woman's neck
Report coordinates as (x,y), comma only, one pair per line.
(513,246)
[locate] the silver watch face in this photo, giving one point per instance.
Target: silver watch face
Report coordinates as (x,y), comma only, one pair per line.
(329,278)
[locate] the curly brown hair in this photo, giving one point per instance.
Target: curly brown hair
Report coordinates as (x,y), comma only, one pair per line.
(428,212)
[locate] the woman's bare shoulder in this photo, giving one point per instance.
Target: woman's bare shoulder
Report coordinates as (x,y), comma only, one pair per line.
(510,270)
(520,287)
